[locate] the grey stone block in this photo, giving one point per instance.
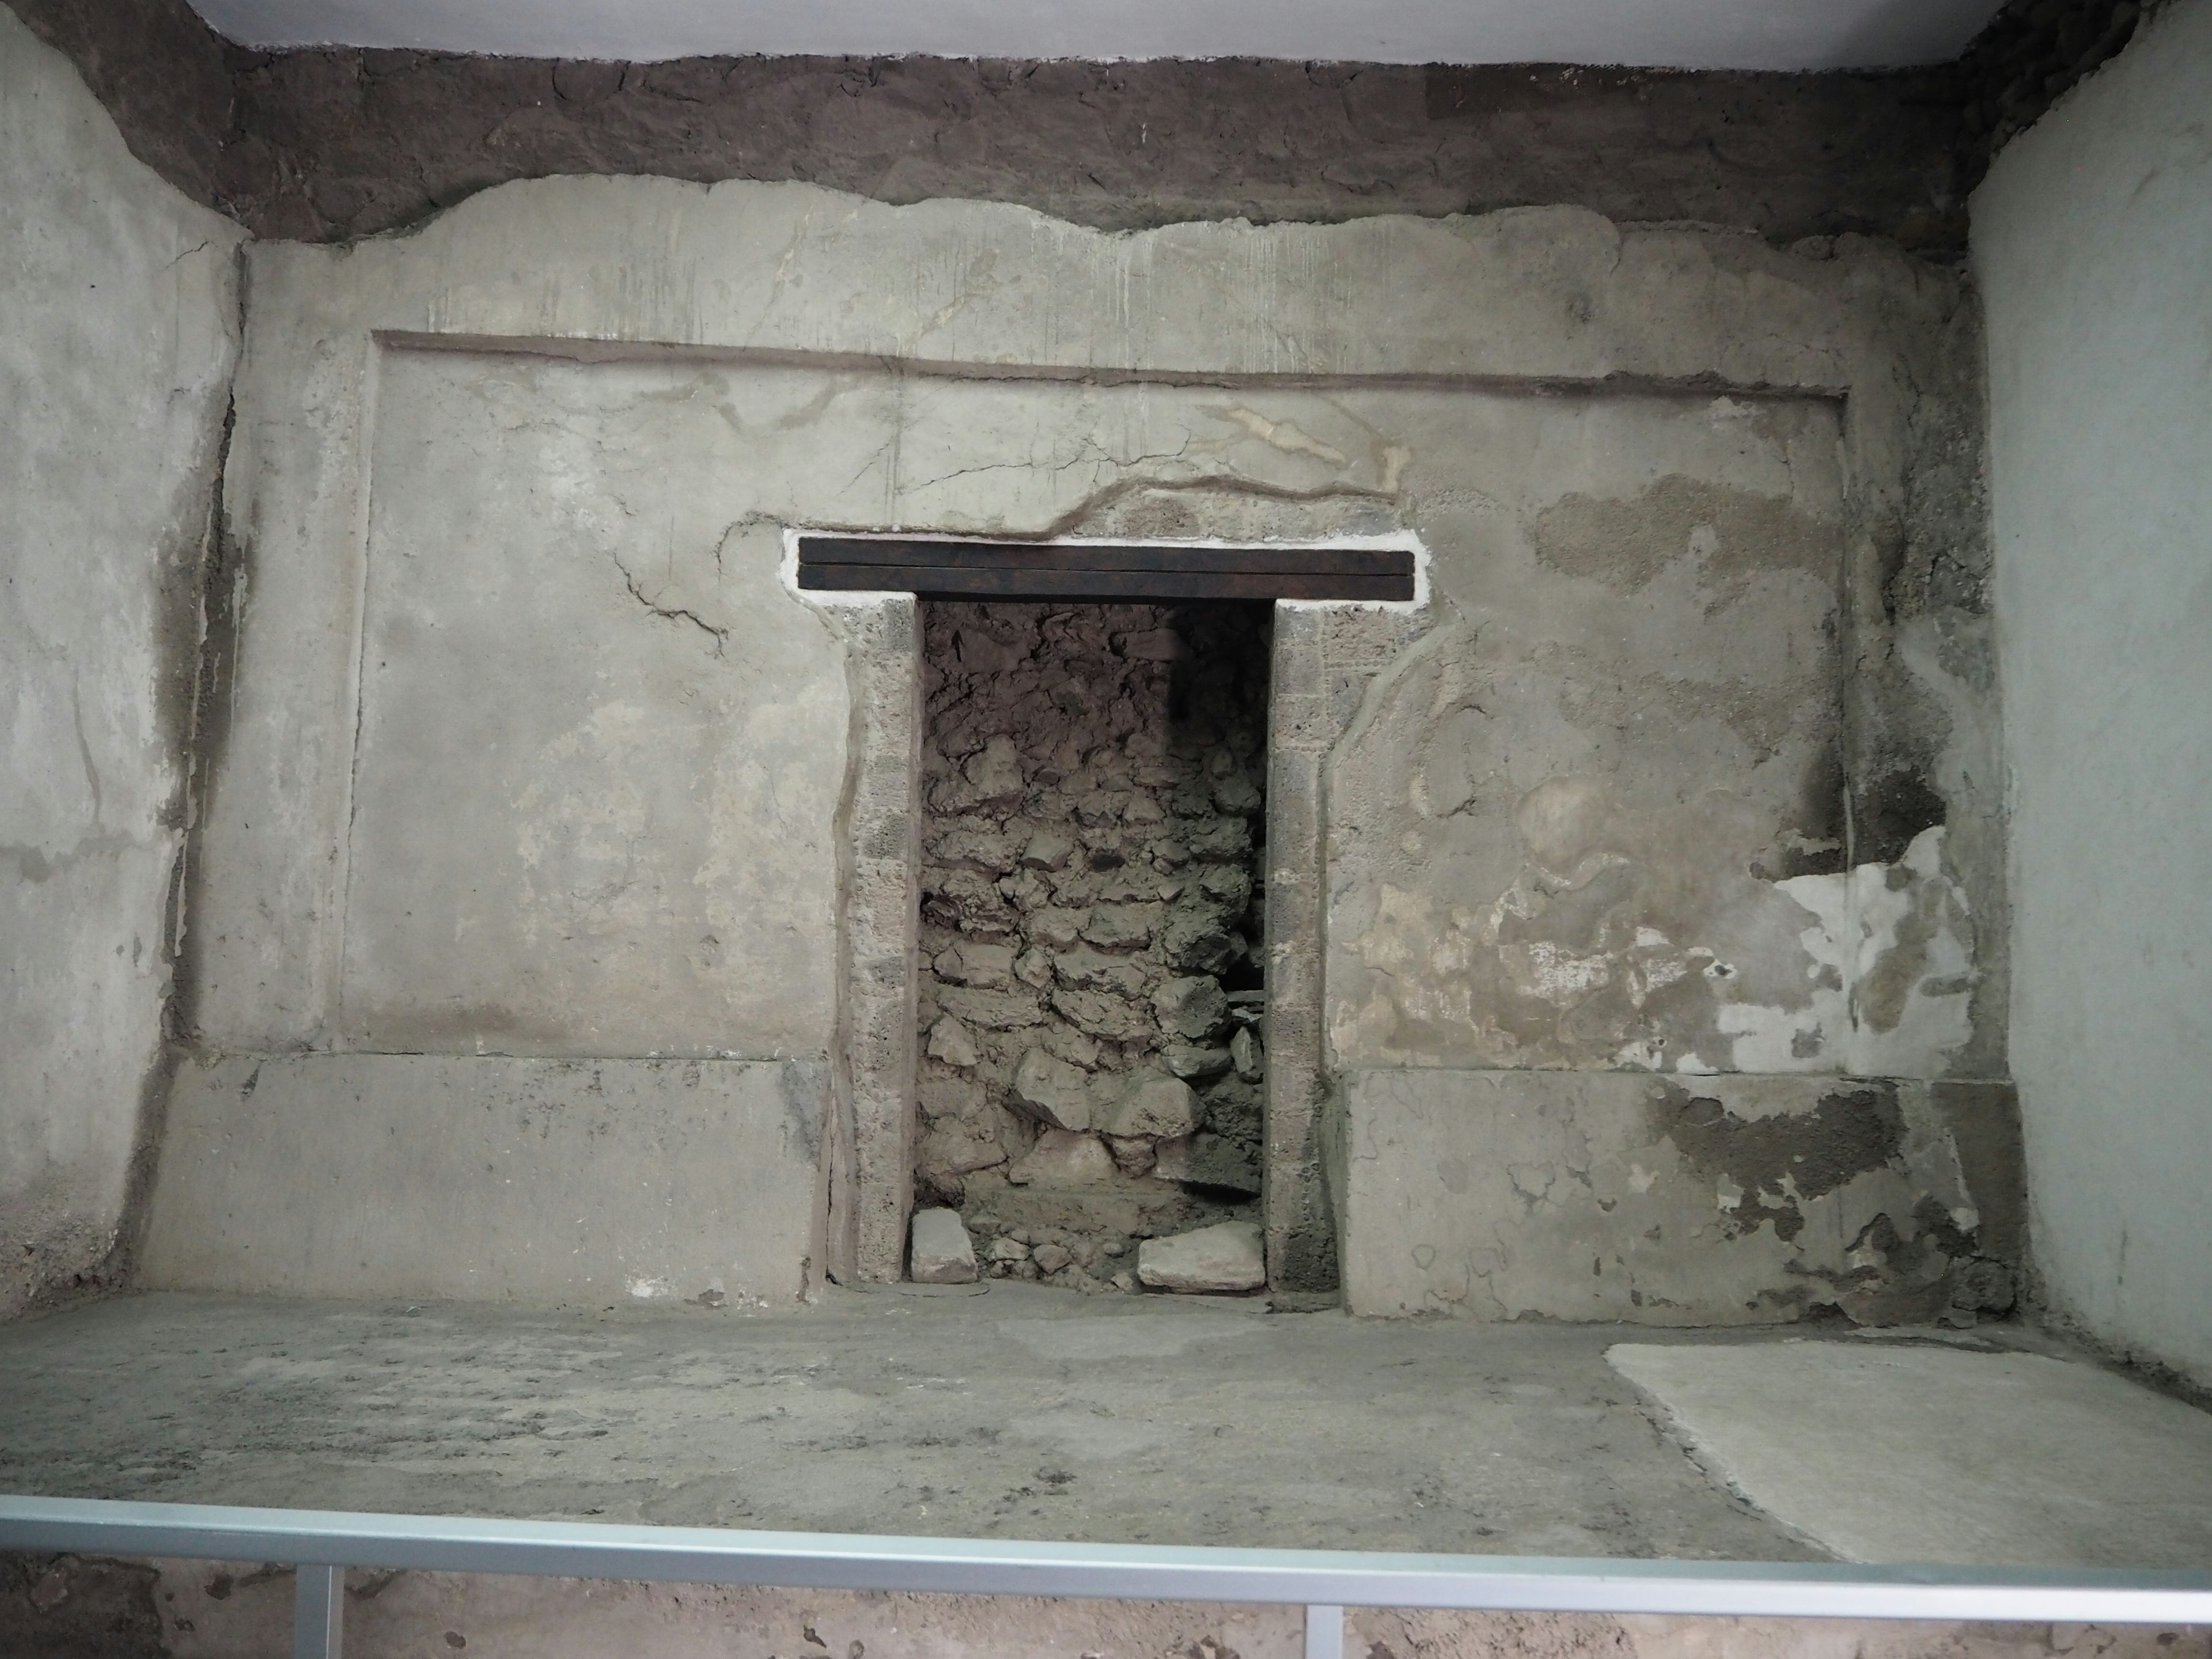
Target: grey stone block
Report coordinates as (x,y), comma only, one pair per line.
(943,1253)
(491,1178)
(1226,1256)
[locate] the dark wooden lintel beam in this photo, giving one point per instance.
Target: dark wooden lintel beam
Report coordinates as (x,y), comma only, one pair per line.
(1026,570)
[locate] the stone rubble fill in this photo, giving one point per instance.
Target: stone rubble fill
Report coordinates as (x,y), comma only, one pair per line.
(1091,1015)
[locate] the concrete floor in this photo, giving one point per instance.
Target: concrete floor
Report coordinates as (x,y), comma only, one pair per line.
(1000,1410)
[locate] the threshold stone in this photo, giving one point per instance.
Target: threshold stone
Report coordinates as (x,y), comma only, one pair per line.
(942,1252)
(1226,1256)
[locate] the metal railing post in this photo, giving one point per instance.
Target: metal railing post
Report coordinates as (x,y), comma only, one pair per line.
(1324,1632)
(318,1612)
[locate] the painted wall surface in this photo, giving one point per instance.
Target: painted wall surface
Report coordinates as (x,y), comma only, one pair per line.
(117,334)
(601,748)
(534,750)
(2092,242)
(1598,820)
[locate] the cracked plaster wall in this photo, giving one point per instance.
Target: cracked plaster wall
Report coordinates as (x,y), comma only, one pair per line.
(509,493)
(122,327)
(1601,820)
(2093,241)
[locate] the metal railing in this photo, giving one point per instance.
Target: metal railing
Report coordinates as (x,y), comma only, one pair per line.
(322,1544)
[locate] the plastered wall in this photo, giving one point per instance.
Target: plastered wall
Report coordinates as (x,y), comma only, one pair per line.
(120,329)
(2092,243)
(1679,764)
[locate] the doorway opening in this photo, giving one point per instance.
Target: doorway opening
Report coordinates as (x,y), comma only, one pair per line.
(1090,990)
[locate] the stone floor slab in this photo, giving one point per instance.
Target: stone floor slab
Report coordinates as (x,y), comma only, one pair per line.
(1894,1452)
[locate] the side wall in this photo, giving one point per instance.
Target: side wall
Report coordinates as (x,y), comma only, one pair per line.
(2092,240)
(120,306)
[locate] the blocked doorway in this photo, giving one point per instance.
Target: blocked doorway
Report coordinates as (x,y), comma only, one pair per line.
(1188,678)
(1091,975)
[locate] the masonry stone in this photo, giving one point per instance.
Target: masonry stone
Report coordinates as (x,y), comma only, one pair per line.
(1222,1257)
(949,1042)
(1062,1158)
(1153,1106)
(1188,1060)
(1053,1091)
(1193,1007)
(1245,1054)
(942,1252)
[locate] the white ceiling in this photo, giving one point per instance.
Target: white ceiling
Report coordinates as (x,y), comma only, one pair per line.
(1762,34)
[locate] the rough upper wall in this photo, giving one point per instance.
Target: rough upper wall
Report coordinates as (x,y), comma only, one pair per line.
(2031,55)
(164,77)
(330,144)
(366,140)
(121,331)
(2093,243)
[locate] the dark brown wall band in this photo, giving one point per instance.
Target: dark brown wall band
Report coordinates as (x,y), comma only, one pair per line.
(1020,570)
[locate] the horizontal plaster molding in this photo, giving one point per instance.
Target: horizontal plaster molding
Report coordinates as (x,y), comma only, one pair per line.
(1548,296)
(614,348)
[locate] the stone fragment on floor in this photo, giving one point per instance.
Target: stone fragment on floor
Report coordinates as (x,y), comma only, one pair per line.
(1226,1256)
(1050,1258)
(943,1253)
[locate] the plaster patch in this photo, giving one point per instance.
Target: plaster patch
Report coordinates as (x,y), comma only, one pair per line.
(1890,954)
